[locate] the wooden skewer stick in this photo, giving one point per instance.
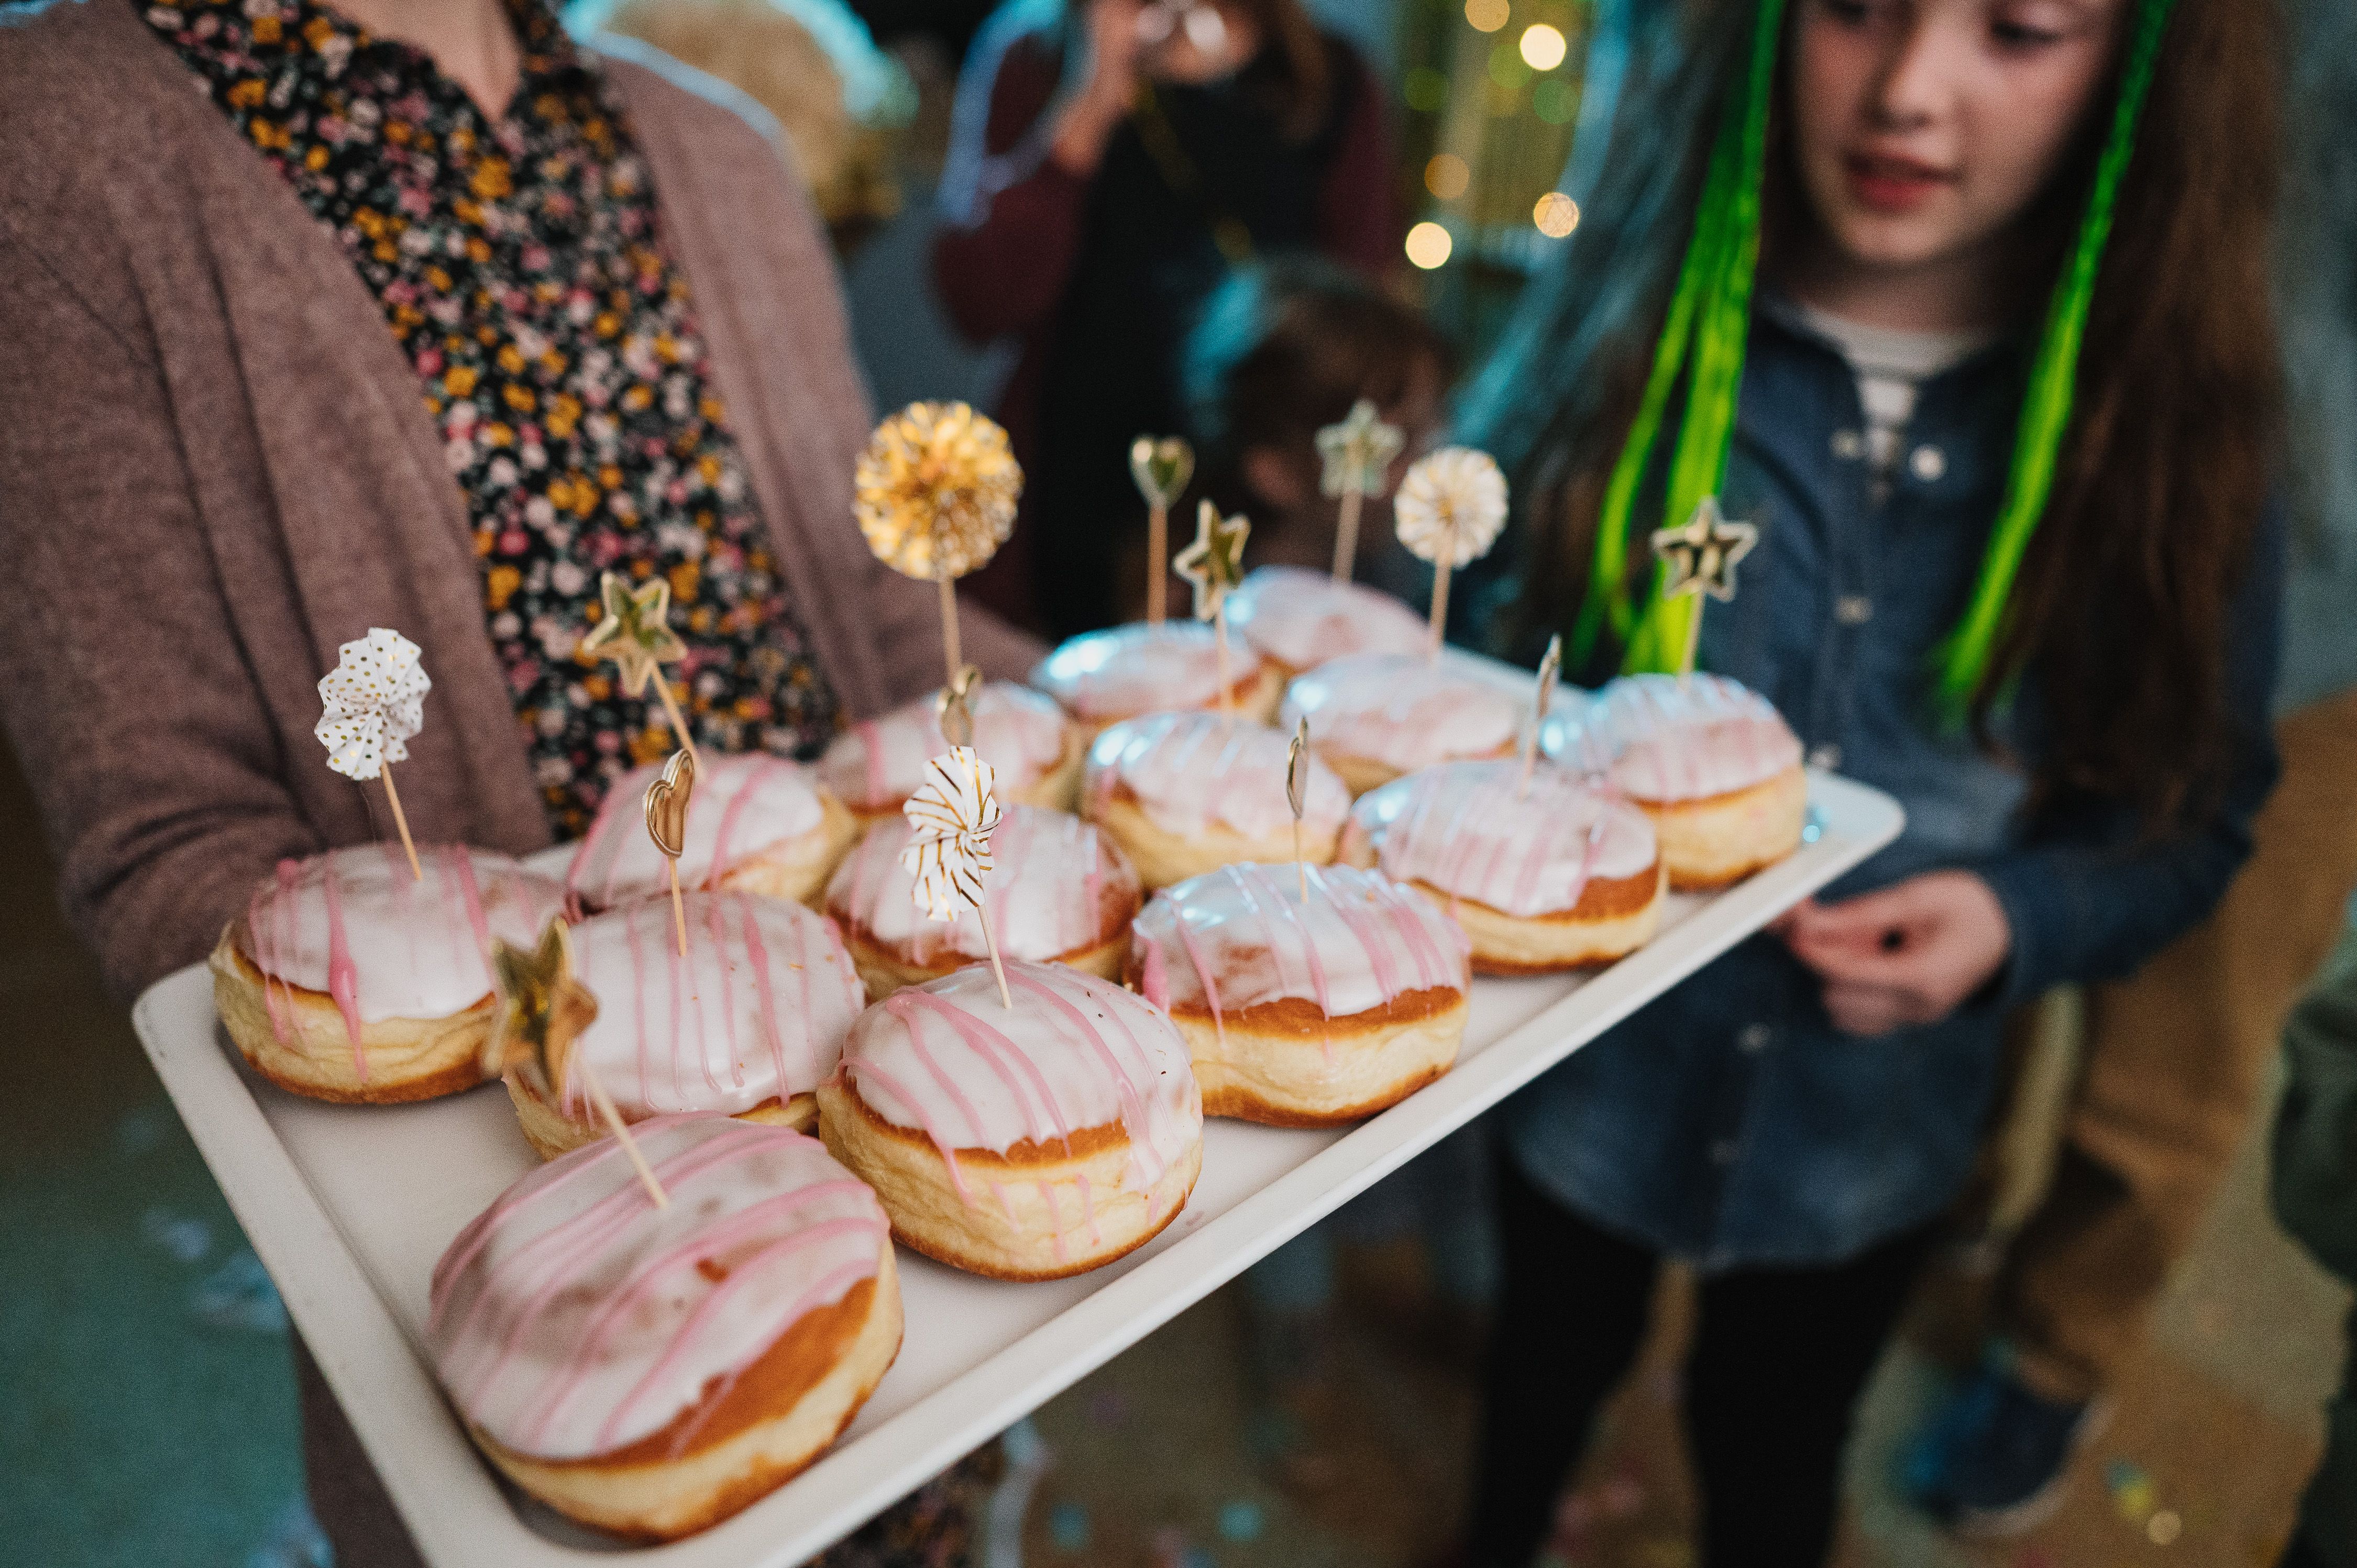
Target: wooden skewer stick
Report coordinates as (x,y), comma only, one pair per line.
(400,820)
(1158,562)
(1346,535)
(678,720)
(1220,631)
(1300,866)
(613,1117)
(956,659)
(678,910)
(1439,606)
(1006,997)
(1694,639)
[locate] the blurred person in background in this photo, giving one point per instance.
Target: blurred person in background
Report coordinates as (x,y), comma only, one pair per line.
(1111,161)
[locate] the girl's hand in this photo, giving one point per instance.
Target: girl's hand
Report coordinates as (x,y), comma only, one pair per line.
(1909,954)
(1088,120)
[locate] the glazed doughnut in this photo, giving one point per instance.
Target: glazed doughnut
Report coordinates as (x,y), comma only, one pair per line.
(876,764)
(1185,793)
(1058,890)
(1557,876)
(1299,619)
(1304,1014)
(758,823)
(1710,760)
(348,979)
(650,1372)
(1024,1143)
(1377,716)
(747,1024)
(1104,677)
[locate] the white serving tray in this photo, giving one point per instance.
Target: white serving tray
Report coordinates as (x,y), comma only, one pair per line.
(349,1207)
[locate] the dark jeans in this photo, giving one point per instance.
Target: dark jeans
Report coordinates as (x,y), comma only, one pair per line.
(1779,1357)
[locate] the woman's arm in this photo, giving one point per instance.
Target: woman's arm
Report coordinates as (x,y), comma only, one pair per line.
(1009,234)
(123,688)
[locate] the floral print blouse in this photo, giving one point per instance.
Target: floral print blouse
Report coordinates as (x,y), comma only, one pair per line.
(522,265)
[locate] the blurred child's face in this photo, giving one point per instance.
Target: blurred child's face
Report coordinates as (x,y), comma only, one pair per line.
(1925,128)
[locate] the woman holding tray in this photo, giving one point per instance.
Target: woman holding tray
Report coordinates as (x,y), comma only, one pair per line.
(415,315)
(2003,408)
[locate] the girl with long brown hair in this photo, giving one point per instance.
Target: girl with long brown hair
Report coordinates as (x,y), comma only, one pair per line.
(1111,162)
(1971,318)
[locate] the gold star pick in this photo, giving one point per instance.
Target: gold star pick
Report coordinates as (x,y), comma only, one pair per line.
(634,631)
(1358,452)
(1701,556)
(1215,565)
(543,1009)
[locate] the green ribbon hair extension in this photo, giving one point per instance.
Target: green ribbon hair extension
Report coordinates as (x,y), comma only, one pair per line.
(1703,341)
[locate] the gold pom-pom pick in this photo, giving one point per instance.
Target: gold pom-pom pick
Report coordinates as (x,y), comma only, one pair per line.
(1357,454)
(1296,795)
(952,816)
(542,1011)
(1541,698)
(1699,558)
(634,631)
(1160,467)
(1214,567)
(934,493)
(666,809)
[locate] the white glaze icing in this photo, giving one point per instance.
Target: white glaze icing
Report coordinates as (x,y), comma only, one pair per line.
(879,763)
(1053,879)
(1242,936)
(1125,670)
(1401,710)
(757,1011)
(1302,618)
(946,1058)
(743,805)
(1190,769)
(573,1318)
(1656,737)
(354,923)
(1468,830)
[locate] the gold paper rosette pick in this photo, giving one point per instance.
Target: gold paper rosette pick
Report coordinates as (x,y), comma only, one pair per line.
(935,490)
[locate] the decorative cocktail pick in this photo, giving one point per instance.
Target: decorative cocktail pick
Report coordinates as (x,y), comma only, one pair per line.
(1358,453)
(1699,558)
(953,706)
(1542,696)
(374,701)
(1296,795)
(1214,567)
(1451,506)
(934,493)
(953,812)
(542,1011)
(667,800)
(1161,466)
(635,633)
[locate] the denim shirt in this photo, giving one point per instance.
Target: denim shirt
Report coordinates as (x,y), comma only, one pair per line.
(1728,1123)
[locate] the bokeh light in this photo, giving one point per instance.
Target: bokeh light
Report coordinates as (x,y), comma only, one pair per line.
(1428,245)
(1555,101)
(1446,175)
(1556,215)
(1543,47)
(1488,16)
(1507,68)
(1425,90)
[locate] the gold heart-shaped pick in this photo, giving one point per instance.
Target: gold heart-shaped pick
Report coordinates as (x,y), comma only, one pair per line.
(542,1009)
(953,706)
(1161,467)
(667,800)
